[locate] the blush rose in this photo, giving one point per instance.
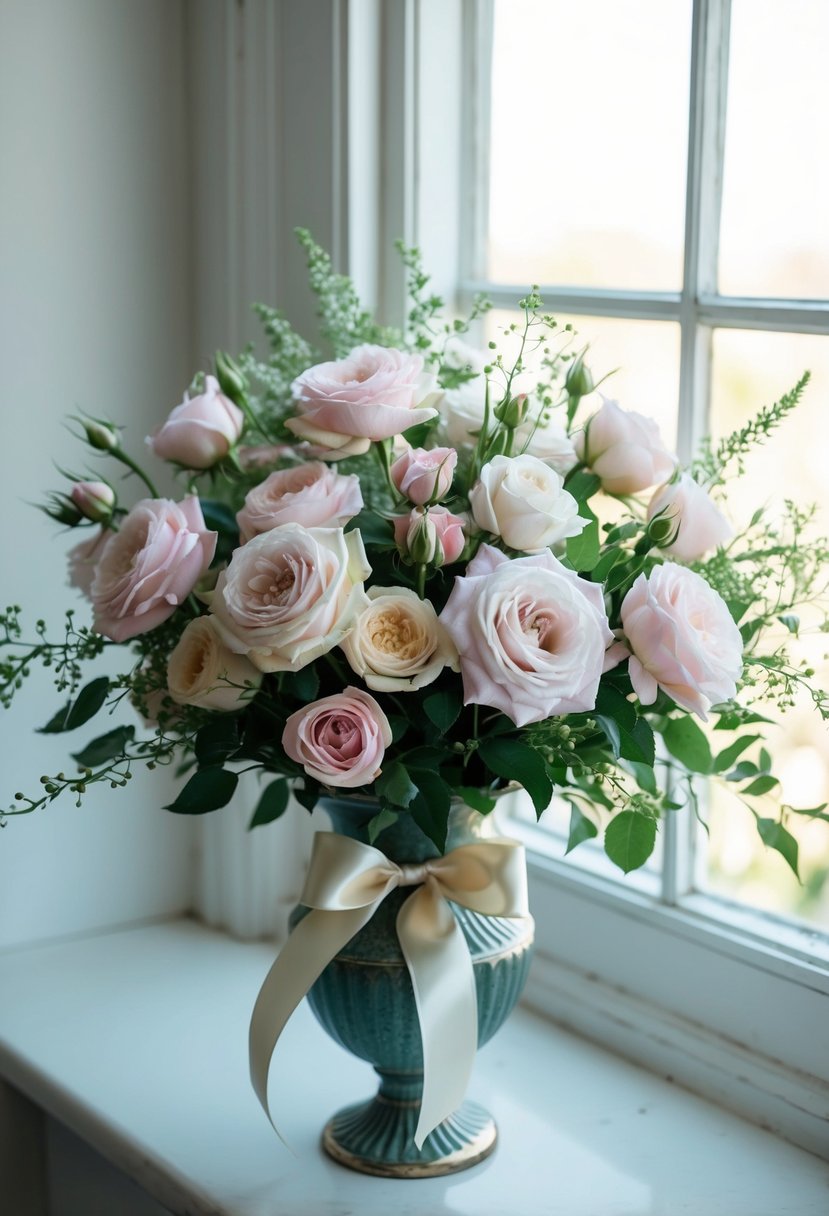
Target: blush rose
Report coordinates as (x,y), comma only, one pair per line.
(150,566)
(309,494)
(424,474)
(697,522)
(624,449)
(437,534)
(200,431)
(523,500)
(340,740)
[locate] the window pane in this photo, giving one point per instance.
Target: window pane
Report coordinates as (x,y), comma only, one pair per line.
(750,369)
(775,236)
(588,142)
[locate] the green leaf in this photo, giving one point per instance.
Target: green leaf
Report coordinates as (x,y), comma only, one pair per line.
(272,804)
(374,529)
(742,771)
(443,708)
(417,435)
(207,790)
(581,828)
(791,621)
(220,518)
(763,785)
(629,736)
(385,818)
(517,761)
(775,836)
(813,812)
(737,609)
(582,485)
(303,685)
(605,564)
(629,840)
(430,809)
(56,723)
(645,777)
(87,703)
(479,800)
(395,785)
(724,759)
(583,551)
(216,741)
(105,747)
(687,743)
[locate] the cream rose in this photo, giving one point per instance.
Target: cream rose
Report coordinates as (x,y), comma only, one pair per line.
(202,671)
(682,638)
(697,522)
(523,500)
(397,643)
(290,595)
(530,633)
(624,449)
(309,494)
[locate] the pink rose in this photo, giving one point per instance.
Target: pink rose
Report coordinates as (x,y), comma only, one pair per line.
(698,524)
(84,558)
(150,566)
(423,475)
(437,533)
(308,494)
(201,430)
(374,393)
(624,449)
(94,500)
(290,595)
(530,633)
(339,740)
(683,640)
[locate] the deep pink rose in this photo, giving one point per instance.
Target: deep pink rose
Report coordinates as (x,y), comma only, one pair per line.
(436,533)
(698,523)
(624,449)
(201,430)
(424,475)
(339,740)
(530,633)
(375,393)
(309,494)
(150,566)
(683,640)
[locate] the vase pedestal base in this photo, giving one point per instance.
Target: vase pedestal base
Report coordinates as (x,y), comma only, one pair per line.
(377,1137)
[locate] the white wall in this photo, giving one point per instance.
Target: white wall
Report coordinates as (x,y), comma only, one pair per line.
(95,314)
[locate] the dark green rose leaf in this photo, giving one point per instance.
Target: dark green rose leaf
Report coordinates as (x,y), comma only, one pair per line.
(629,840)
(105,747)
(776,837)
(87,703)
(581,828)
(443,708)
(479,800)
(430,809)
(384,818)
(272,804)
(583,551)
(687,743)
(763,785)
(395,785)
(724,759)
(207,790)
(217,740)
(516,761)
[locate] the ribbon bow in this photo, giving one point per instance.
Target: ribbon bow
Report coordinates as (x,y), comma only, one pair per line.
(346,882)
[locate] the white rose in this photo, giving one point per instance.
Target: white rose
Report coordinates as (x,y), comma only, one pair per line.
(624,449)
(290,595)
(397,643)
(523,500)
(202,671)
(698,522)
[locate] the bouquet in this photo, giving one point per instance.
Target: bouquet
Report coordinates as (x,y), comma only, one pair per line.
(422,572)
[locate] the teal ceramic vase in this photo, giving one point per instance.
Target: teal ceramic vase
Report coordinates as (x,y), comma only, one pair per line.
(365,1000)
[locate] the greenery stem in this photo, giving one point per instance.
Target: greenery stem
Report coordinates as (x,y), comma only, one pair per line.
(136,468)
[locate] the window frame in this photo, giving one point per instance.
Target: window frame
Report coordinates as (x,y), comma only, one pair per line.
(687,982)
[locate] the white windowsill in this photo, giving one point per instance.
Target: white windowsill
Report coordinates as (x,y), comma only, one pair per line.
(137,1039)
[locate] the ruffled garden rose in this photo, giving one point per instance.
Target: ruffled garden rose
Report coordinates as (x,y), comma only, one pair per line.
(697,522)
(523,500)
(150,566)
(435,536)
(290,595)
(309,494)
(200,431)
(340,740)
(202,671)
(375,393)
(397,643)
(682,638)
(624,449)
(530,633)
(84,558)
(424,474)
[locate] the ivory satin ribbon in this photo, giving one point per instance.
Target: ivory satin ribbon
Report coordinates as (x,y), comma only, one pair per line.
(346,883)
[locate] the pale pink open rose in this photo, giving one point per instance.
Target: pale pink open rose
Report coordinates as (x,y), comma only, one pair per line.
(309,494)
(424,474)
(150,566)
(530,633)
(200,431)
(202,671)
(624,449)
(375,393)
(290,595)
(697,522)
(84,558)
(436,533)
(683,639)
(339,740)
(523,500)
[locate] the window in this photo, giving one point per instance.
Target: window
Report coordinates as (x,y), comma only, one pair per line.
(657,169)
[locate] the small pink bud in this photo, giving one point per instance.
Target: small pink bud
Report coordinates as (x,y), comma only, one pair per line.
(434,537)
(94,499)
(424,475)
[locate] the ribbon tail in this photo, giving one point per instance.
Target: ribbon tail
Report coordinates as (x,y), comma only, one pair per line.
(440,966)
(301,961)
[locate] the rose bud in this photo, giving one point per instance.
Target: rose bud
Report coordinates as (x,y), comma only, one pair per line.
(579,381)
(200,431)
(438,535)
(512,411)
(423,475)
(62,509)
(624,449)
(695,522)
(100,435)
(94,499)
(232,380)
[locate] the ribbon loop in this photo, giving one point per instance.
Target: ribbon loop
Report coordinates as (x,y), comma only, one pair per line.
(346,882)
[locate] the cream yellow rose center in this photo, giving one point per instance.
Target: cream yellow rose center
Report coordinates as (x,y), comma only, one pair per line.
(392,631)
